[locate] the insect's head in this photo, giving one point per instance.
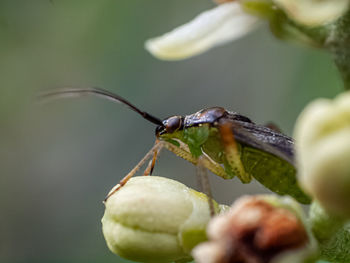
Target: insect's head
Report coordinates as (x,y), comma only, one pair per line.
(170,125)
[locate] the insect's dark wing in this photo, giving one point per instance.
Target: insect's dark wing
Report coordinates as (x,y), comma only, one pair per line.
(276,173)
(264,139)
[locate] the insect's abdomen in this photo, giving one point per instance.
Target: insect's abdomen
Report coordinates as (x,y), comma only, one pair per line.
(274,173)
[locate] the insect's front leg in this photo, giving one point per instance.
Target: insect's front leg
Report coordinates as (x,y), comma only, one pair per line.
(154,151)
(152,163)
(232,154)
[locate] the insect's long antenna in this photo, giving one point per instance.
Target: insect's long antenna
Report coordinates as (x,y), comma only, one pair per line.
(69,92)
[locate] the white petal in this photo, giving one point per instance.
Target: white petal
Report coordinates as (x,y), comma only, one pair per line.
(217,26)
(314,12)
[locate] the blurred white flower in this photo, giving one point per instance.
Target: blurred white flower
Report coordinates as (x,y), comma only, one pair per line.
(322,136)
(314,12)
(232,19)
(222,24)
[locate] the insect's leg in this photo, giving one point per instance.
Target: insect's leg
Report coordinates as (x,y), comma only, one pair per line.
(134,170)
(202,164)
(152,163)
(232,154)
(203,180)
(185,153)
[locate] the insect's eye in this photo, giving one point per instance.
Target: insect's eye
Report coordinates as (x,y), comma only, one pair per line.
(173,124)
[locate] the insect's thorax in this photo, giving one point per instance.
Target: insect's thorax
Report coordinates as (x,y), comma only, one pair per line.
(198,131)
(199,139)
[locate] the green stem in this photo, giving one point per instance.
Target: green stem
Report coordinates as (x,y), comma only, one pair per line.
(332,234)
(323,225)
(338,43)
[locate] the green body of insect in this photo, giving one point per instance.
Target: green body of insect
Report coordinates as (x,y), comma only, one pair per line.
(249,151)
(226,143)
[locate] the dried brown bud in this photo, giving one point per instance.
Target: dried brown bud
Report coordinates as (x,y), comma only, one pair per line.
(255,230)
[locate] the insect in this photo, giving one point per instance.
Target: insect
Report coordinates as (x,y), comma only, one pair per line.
(226,143)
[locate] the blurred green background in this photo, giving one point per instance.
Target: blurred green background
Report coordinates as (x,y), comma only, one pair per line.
(59,160)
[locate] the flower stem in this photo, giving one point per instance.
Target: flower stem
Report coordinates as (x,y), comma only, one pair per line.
(338,43)
(332,234)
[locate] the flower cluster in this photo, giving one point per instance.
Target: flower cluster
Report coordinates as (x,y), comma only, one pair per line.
(155,219)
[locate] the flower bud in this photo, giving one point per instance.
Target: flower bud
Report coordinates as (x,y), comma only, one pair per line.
(322,136)
(314,12)
(155,219)
(257,229)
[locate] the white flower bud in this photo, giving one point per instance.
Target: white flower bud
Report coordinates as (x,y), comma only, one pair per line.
(314,12)
(155,219)
(322,136)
